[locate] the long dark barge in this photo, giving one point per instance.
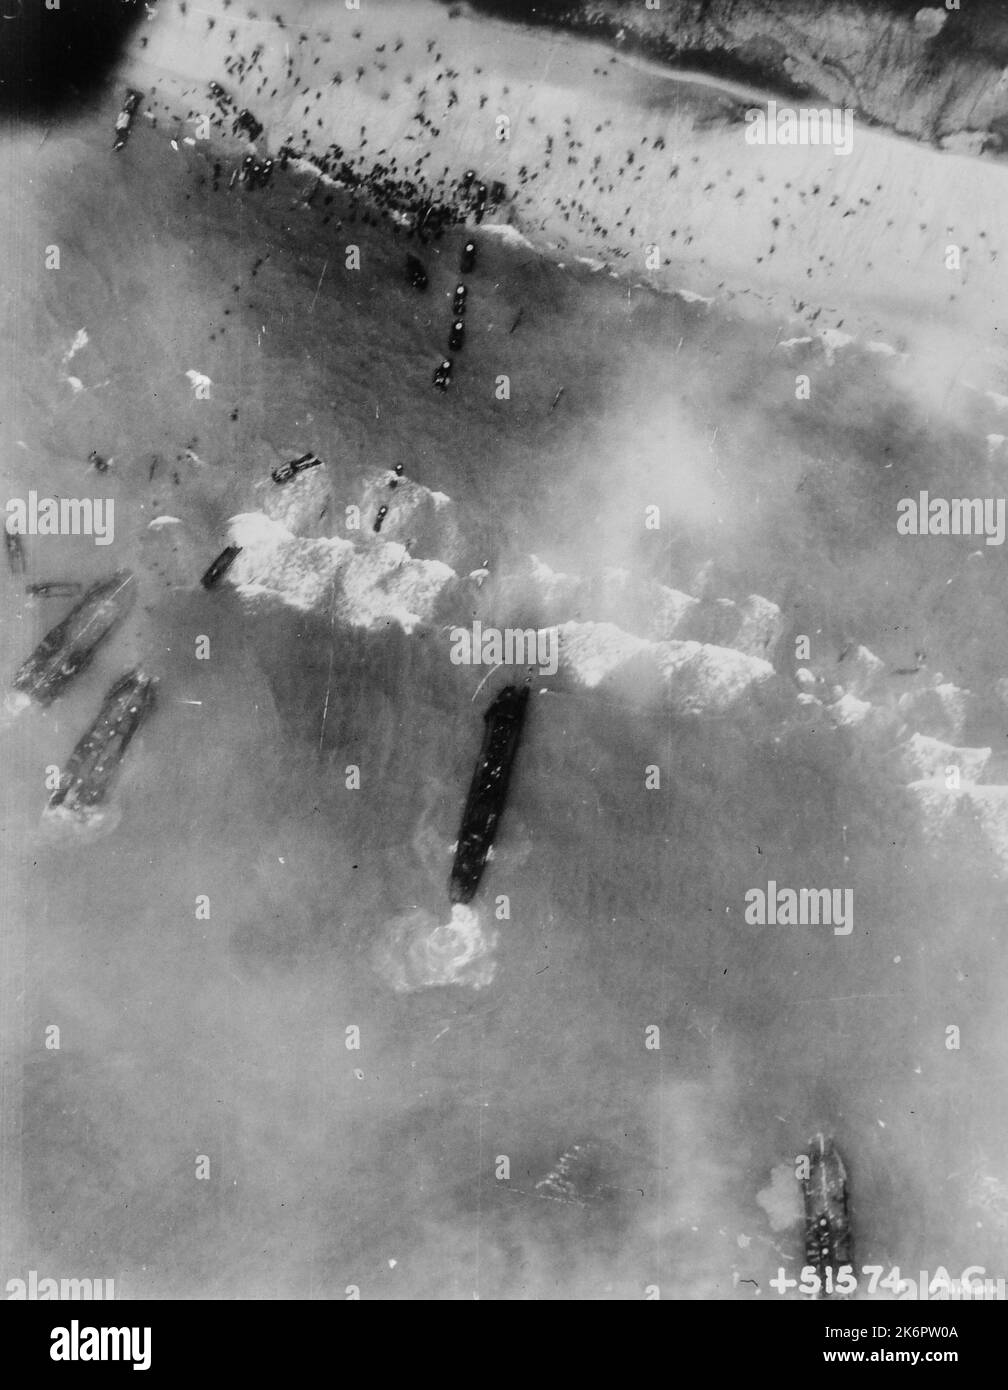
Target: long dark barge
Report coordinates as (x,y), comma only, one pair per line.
(488,790)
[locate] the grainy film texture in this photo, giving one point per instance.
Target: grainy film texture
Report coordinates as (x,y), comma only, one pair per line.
(505,782)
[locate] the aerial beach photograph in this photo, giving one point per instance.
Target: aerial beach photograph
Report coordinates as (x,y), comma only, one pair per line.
(504,653)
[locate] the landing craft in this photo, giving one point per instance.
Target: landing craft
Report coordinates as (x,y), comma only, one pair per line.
(69,647)
(415,273)
(468,258)
(828,1240)
(91,767)
(221,565)
(54,588)
(124,120)
(488,790)
(285,471)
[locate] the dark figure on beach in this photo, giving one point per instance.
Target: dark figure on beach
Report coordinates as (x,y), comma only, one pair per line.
(442,377)
(467,262)
(457,335)
(415,273)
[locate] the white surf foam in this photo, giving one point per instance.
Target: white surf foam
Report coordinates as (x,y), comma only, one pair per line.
(417,952)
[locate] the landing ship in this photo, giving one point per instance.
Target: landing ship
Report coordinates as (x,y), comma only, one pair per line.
(828,1240)
(488,791)
(92,765)
(69,647)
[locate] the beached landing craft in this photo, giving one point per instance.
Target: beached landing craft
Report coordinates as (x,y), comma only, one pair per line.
(69,647)
(91,767)
(828,1241)
(488,790)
